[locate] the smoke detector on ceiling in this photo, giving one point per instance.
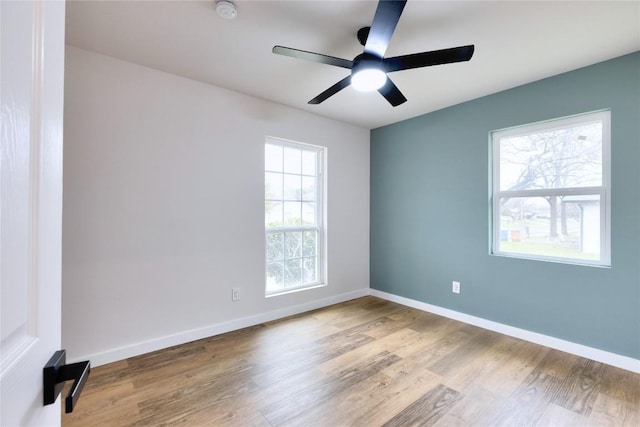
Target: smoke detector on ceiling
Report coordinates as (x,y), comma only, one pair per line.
(226,9)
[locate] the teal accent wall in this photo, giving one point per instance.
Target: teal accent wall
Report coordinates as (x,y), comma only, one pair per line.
(430,213)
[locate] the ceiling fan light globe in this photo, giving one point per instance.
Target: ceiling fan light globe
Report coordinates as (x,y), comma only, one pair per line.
(368,79)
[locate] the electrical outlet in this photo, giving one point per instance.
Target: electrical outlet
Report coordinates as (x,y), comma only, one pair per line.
(235,294)
(455,287)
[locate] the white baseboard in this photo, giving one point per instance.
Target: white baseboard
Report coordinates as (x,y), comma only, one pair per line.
(121,353)
(619,361)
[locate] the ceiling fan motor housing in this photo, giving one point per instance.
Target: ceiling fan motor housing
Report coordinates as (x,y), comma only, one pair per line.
(365,61)
(367,73)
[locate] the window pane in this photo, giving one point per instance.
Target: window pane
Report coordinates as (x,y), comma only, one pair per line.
(566,227)
(293,205)
(273,158)
(292,213)
(292,160)
(309,163)
(273,186)
(309,239)
(275,276)
(293,244)
(308,188)
(569,157)
(293,273)
(309,270)
(292,187)
(272,214)
(275,246)
(309,213)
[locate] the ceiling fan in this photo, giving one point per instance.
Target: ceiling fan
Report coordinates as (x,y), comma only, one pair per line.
(369,69)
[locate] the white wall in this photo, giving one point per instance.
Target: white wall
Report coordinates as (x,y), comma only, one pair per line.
(163,208)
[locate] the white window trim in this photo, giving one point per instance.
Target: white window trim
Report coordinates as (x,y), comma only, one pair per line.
(604,192)
(321,216)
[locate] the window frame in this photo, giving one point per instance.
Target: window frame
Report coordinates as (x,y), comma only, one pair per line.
(603,191)
(320,215)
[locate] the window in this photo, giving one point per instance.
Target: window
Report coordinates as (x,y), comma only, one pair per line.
(551,190)
(293,216)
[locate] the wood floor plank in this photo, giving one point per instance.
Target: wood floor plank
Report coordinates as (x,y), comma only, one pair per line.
(619,384)
(270,371)
(426,410)
(529,402)
(294,330)
(428,323)
(508,365)
(291,385)
(218,414)
(478,407)
(152,362)
(365,362)
(177,404)
(465,353)
(401,392)
(290,407)
(609,411)
(557,364)
(184,367)
(338,313)
(408,314)
(390,343)
(579,391)
(557,416)
(372,401)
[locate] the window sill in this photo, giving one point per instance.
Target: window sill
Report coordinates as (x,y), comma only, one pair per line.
(290,291)
(574,262)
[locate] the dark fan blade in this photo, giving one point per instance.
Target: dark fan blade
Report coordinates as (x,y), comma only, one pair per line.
(315,57)
(384,23)
(425,59)
(392,94)
(332,90)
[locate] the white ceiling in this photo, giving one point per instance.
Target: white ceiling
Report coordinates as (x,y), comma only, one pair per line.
(516,42)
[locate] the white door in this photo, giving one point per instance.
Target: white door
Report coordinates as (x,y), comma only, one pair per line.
(31,97)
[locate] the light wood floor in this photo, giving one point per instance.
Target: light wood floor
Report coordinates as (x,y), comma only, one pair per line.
(366,362)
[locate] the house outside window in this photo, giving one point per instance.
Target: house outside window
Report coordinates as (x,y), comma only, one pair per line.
(551,190)
(294,216)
